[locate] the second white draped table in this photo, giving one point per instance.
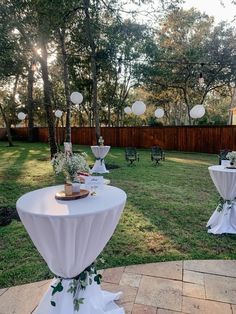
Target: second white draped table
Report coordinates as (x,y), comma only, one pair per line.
(223,220)
(100,153)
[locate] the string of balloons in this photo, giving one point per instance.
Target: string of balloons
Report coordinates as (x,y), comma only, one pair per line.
(138,108)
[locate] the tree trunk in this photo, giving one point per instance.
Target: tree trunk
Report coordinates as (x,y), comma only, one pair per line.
(8,129)
(95,104)
(187,104)
(232,105)
(30,104)
(109,114)
(66,84)
(93,69)
(47,99)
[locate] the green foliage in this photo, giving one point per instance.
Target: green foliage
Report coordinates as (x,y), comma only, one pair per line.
(180,53)
(165,61)
(152,121)
(78,283)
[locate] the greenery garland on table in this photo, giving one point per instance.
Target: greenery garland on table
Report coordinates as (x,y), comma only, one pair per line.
(223,201)
(80,282)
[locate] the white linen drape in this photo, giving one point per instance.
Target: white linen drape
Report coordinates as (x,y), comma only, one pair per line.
(100,152)
(70,235)
(224,221)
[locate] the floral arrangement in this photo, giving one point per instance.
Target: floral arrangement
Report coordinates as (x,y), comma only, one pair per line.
(231,156)
(70,164)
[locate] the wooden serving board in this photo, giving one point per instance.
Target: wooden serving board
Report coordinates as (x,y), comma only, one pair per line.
(76,195)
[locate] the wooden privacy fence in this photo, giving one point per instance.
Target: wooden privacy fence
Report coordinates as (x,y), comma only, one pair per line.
(208,139)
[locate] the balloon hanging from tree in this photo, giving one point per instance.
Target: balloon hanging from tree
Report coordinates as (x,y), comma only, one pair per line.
(127,110)
(76,98)
(197,112)
(58,113)
(138,107)
(159,113)
(21,116)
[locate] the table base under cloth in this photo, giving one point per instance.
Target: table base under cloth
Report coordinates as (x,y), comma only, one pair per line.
(223,221)
(99,167)
(96,301)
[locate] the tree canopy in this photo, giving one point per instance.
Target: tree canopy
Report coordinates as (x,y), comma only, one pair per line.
(98,47)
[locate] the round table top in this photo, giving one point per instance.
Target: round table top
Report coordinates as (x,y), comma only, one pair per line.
(221,169)
(100,146)
(43,202)
(224,180)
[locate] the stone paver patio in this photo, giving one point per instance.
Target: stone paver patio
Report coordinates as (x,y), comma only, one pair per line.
(195,287)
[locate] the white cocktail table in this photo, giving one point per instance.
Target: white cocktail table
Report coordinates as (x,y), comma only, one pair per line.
(223,220)
(100,153)
(70,235)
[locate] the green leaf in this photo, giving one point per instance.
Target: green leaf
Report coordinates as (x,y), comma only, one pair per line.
(59,287)
(98,278)
(53,303)
(77,303)
(83,276)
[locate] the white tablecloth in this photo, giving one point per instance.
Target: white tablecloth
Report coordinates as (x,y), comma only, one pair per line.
(70,235)
(100,153)
(224,220)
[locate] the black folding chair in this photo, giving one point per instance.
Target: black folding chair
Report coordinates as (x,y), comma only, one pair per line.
(157,154)
(131,155)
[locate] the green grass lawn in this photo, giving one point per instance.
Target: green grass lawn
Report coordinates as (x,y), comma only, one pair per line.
(165,216)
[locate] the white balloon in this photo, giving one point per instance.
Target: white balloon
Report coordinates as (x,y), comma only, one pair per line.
(159,113)
(127,110)
(76,98)
(197,112)
(138,107)
(201,111)
(58,113)
(193,113)
(21,116)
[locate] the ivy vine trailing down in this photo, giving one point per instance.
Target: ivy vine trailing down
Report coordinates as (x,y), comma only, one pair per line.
(229,204)
(80,282)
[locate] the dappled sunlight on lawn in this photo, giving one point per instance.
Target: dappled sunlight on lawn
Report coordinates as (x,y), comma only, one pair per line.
(115,156)
(165,217)
(189,161)
(37,173)
(12,164)
(39,153)
(139,234)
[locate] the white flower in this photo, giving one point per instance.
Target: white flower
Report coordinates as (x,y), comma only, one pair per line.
(70,165)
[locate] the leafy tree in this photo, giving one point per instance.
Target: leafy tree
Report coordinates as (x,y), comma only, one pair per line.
(186,45)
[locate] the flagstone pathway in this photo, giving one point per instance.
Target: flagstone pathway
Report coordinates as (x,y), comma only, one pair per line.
(195,287)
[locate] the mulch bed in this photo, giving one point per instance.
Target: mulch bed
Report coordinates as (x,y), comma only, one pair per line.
(7,214)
